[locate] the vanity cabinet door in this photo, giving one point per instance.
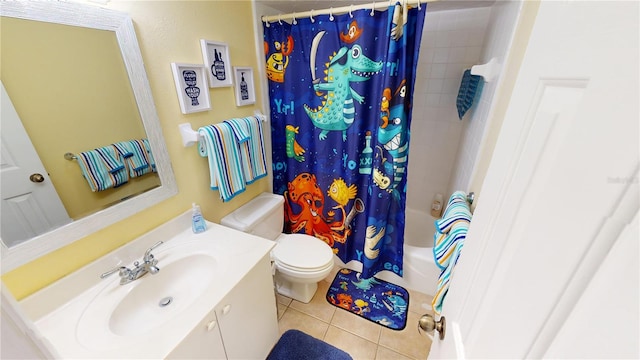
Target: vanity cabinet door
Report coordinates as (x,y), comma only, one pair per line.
(204,342)
(248,315)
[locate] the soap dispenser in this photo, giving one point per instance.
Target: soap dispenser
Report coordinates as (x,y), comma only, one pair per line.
(197,221)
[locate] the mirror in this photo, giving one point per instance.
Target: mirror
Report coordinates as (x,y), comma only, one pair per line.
(85,18)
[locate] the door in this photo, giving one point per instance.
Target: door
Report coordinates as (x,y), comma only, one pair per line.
(550,264)
(30,204)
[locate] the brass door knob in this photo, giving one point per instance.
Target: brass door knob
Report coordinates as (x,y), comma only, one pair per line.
(428,323)
(36,178)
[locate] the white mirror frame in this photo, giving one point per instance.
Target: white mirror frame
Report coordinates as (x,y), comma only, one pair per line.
(94,17)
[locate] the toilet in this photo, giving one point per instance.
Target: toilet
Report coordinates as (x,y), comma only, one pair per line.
(300,260)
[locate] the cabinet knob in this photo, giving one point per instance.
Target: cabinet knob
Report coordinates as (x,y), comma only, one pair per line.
(211,325)
(226,309)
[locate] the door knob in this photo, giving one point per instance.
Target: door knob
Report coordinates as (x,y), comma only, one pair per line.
(36,178)
(428,323)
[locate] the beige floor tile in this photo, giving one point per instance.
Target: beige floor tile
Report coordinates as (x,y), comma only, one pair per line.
(356,325)
(407,342)
(416,299)
(281,310)
(293,319)
(318,307)
(388,354)
(283,299)
(356,346)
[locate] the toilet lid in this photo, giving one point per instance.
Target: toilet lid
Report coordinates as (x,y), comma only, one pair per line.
(303,252)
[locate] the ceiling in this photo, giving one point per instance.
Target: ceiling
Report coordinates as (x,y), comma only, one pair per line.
(290,6)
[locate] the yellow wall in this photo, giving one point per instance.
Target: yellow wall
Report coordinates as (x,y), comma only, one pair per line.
(78,80)
(168,32)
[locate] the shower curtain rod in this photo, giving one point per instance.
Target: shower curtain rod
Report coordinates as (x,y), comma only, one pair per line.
(340,10)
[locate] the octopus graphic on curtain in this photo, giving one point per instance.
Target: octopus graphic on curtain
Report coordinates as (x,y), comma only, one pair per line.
(340,92)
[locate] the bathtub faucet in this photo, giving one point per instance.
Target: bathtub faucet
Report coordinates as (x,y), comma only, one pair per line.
(127,275)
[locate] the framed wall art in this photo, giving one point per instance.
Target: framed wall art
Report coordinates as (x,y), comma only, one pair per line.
(192,87)
(245,89)
(216,60)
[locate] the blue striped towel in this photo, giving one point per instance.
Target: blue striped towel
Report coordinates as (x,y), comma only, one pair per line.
(248,131)
(218,143)
(152,161)
(451,231)
(135,156)
(469,86)
(102,168)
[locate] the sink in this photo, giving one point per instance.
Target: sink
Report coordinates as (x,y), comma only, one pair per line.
(120,314)
(157,298)
(85,317)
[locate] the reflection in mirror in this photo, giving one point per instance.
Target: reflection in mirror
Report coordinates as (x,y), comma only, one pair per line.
(68,100)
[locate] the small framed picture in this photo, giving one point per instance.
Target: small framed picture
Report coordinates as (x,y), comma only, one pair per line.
(216,60)
(245,90)
(192,87)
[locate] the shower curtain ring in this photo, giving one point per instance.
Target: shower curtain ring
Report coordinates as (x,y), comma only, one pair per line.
(295,22)
(350,10)
(266,23)
(373,9)
(311,16)
(280,19)
(331,14)
(419,5)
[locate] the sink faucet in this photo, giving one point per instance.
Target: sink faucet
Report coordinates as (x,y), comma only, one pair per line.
(148,265)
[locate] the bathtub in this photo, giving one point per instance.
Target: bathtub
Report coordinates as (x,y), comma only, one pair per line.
(419,268)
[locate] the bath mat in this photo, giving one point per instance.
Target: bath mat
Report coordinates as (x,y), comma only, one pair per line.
(373,299)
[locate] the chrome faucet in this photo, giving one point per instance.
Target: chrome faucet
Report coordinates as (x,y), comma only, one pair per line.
(148,265)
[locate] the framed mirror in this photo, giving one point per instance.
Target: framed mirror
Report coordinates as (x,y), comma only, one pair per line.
(120,27)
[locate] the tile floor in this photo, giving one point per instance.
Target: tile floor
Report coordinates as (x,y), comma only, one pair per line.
(361,338)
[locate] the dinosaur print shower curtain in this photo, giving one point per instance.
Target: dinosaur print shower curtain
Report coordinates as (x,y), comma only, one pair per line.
(340,91)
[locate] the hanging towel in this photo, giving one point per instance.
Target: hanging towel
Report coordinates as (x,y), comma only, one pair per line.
(102,168)
(469,86)
(248,131)
(451,231)
(135,156)
(152,161)
(218,143)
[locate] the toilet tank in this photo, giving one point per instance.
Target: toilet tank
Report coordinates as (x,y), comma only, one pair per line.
(262,216)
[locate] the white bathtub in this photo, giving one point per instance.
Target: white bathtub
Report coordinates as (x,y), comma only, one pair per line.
(419,269)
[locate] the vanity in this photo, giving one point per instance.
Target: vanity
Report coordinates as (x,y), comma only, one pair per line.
(212,298)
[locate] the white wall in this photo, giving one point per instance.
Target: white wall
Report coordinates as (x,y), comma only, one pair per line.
(497,44)
(452,41)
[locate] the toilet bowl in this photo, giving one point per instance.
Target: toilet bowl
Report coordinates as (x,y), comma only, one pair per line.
(300,261)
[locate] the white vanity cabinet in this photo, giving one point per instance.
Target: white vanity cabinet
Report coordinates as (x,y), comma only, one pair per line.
(243,325)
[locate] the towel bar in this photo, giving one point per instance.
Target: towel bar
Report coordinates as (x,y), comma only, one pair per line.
(69,156)
(470,197)
(488,71)
(190,136)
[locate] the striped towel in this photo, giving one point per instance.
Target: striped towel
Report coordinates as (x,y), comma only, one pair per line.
(152,161)
(218,143)
(451,231)
(248,132)
(102,168)
(135,156)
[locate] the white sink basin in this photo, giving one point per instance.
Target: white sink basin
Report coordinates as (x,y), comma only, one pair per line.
(122,314)
(157,298)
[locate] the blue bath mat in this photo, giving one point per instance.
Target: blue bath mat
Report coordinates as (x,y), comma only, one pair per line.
(373,299)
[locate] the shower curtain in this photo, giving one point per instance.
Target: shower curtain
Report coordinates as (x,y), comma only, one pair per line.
(340,91)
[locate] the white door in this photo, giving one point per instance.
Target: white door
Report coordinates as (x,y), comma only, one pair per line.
(29,207)
(550,263)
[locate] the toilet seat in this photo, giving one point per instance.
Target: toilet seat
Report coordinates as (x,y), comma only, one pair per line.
(302,253)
